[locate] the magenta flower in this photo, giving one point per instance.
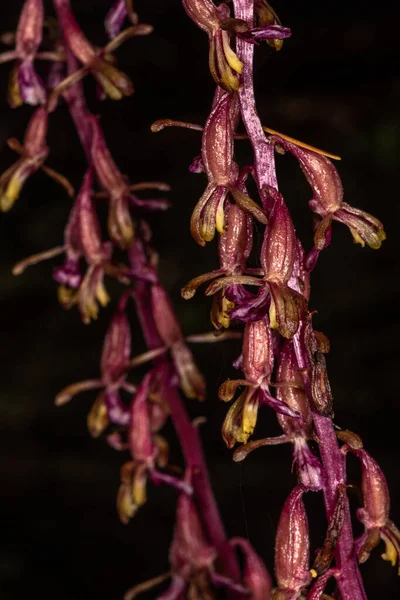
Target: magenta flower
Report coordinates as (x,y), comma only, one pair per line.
(328,203)
(290,392)
(149,452)
(258,363)
(234,247)
(375,513)
(114,369)
(33,153)
(82,239)
(278,253)
(111,80)
(25,84)
(119,191)
(225,66)
(222,172)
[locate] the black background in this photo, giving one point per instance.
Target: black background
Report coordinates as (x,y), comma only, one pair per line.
(336,85)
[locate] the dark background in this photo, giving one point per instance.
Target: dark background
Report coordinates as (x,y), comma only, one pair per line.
(336,85)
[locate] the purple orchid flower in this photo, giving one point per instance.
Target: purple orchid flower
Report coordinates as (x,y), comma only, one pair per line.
(258,363)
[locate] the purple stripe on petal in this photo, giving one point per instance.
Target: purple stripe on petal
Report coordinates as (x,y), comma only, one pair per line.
(279,406)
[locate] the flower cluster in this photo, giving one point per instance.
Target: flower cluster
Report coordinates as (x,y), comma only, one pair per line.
(283,357)
(266,290)
(129,411)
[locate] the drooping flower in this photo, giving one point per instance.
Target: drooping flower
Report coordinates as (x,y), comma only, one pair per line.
(25,85)
(258,362)
(82,239)
(327,202)
(119,191)
(221,170)
(278,254)
(33,153)
(114,369)
(290,391)
(149,452)
(112,81)
(225,66)
(234,247)
(375,513)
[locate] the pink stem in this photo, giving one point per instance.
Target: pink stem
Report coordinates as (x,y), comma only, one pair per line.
(264,153)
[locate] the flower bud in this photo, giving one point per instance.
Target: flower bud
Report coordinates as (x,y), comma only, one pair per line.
(164,316)
(292,545)
(116,349)
(236,242)
(322,176)
(291,391)
(258,358)
(139,435)
(375,512)
(279,246)
(217,141)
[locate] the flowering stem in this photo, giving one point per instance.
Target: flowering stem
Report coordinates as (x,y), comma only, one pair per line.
(190,442)
(349,579)
(187,432)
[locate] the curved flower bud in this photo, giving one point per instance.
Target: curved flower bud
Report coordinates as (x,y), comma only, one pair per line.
(292,548)
(322,176)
